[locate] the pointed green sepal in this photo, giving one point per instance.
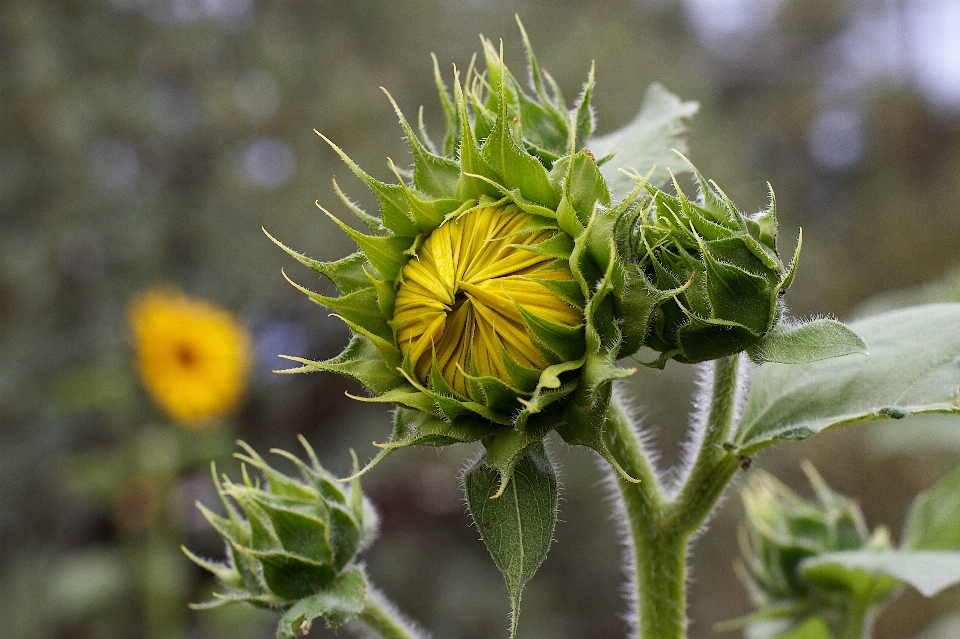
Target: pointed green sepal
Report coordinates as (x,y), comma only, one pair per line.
(432,174)
(384,252)
(360,307)
(394,213)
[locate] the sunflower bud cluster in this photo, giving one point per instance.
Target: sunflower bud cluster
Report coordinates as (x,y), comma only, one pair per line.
(714,272)
(287,538)
(491,299)
(783,530)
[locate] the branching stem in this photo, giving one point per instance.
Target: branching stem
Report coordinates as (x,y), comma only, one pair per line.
(660,529)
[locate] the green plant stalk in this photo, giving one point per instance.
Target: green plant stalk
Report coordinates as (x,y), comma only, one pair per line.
(715,464)
(858,620)
(660,529)
(380,616)
(855,626)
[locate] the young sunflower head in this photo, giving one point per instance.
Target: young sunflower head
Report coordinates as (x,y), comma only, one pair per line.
(193,357)
(472,303)
(488,299)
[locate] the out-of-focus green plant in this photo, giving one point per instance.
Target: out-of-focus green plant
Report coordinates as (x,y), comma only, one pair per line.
(783,530)
(814,570)
(192,359)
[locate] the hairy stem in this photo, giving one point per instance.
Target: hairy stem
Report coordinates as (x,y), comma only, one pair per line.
(380,616)
(659,554)
(714,464)
(660,530)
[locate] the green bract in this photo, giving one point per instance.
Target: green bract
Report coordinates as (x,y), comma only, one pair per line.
(291,543)
(716,270)
(782,537)
(504,153)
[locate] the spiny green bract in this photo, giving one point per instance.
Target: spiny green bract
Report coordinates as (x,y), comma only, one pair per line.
(501,147)
(290,539)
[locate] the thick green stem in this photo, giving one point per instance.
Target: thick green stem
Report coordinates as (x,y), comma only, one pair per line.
(380,616)
(659,553)
(660,530)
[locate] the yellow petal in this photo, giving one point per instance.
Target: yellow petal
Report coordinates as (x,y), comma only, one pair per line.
(457,300)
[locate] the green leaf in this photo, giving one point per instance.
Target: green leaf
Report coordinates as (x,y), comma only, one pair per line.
(810,342)
(646,142)
(913,367)
(917,435)
(929,571)
(516,527)
(934,519)
(338,603)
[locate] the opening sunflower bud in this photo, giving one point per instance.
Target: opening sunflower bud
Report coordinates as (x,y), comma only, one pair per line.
(486,301)
(461,304)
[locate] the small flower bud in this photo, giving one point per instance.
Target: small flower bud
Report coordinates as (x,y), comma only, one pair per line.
(715,272)
(287,538)
(782,530)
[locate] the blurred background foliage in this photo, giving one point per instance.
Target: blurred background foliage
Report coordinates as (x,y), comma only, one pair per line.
(146,141)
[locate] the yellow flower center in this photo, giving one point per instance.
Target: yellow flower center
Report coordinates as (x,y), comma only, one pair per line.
(458,300)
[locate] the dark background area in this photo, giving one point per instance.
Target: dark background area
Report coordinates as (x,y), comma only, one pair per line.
(147,141)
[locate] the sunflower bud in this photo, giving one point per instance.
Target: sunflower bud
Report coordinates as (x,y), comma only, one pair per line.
(486,298)
(783,530)
(716,272)
(288,539)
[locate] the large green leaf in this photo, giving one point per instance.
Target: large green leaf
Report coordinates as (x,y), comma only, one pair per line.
(517,527)
(934,519)
(929,571)
(913,367)
(918,435)
(646,142)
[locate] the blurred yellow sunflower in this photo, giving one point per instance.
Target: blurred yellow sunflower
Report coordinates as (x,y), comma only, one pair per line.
(193,357)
